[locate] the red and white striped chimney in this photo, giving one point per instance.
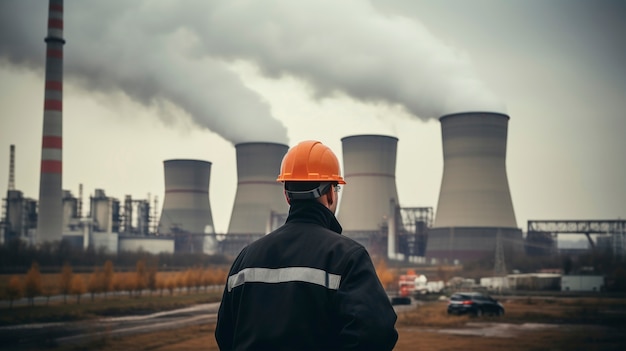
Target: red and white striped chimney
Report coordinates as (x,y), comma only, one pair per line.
(50,216)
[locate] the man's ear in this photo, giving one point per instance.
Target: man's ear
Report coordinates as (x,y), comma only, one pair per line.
(329,196)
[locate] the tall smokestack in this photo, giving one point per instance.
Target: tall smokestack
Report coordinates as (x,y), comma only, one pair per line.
(186,206)
(258,193)
(80,201)
(11,168)
(370,172)
(50,217)
(474,198)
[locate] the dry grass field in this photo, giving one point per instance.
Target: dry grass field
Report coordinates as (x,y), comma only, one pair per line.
(539,323)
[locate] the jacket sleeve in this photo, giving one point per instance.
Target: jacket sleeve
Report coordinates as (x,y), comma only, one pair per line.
(224,329)
(367,318)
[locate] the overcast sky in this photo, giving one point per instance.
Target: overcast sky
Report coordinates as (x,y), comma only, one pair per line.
(147,81)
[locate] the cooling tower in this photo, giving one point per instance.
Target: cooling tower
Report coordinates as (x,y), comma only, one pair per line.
(186,208)
(50,217)
(258,194)
(474,199)
(369,163)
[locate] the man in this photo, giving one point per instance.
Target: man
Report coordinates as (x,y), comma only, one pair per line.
(305,286)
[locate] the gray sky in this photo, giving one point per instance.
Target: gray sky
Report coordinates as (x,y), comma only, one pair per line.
(147,81)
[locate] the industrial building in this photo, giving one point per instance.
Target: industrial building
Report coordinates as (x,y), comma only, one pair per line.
(19,214)
(19,219)
(474,219)
(370,210)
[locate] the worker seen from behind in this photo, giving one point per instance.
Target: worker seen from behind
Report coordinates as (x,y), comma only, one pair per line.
(305,286)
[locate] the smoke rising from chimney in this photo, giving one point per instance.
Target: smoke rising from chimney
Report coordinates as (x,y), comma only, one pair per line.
(147,52)
(180,52)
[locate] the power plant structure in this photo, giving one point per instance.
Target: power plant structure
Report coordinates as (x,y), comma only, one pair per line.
(258,196)
(474,218)
(112,225)
(19,214)
(115,226)
(468,226)
(369,163)
(186,212)
(73,230)
(475,211)
(49,220)
(260,204)
(369,199)
(19,220)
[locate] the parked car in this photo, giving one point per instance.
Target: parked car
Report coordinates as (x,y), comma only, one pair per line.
(474,303)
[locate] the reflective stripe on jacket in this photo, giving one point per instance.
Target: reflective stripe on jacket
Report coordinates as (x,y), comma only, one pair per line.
(305,287)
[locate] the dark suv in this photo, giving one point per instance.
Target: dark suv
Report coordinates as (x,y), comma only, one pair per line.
(475,304)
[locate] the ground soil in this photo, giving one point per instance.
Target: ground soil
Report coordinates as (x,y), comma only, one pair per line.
(529,324)
(412,338)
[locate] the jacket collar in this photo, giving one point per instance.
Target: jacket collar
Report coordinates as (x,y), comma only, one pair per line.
(313,212)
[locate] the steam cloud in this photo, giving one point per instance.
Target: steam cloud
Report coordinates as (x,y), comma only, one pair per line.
(179,52)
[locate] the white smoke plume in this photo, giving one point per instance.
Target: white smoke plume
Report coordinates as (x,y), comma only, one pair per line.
(179,51)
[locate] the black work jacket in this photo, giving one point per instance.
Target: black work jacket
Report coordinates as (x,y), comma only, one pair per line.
(305,287)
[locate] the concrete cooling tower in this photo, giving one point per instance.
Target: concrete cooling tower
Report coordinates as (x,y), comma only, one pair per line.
(258,194)
(475,207)
(186,209)
(370,172)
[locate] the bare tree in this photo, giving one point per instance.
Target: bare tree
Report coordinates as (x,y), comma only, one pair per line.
(197,278)
(65,280)
(170,284)
(33,285)
(161,283)
(129,282)
(215,276)
(107,279)
(77,287)
(96,281)
(151,279)
(206,278)
(181,280)
(118,282)
(222,276)
(141,276)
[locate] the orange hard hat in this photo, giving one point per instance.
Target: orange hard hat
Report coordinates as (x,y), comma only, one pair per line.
(310,161)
